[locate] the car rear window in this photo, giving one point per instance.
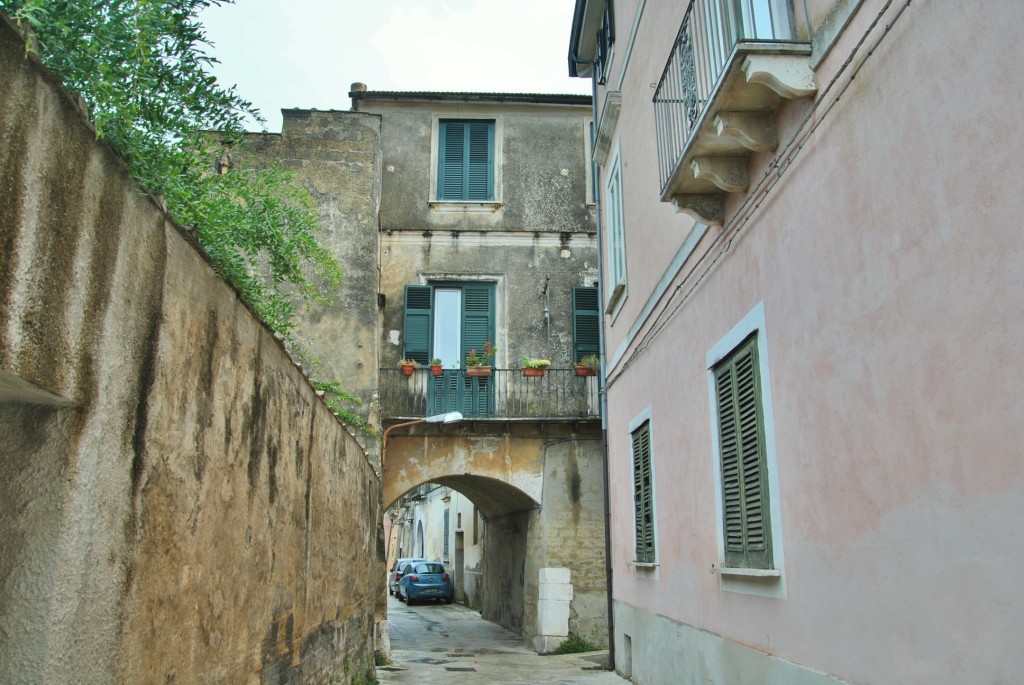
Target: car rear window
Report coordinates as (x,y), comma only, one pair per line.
(429,568)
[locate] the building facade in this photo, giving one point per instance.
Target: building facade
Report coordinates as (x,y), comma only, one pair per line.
(810,280)
(467,223)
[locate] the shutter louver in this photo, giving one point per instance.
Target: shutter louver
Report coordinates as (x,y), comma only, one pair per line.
(586,322)
(744,477)
(417,325)
(452,174)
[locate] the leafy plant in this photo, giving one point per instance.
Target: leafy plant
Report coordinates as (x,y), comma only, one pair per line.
(483,358)
(409,362)
(141,67)
(528,363)
(436,362)
(574,644)
(591,361)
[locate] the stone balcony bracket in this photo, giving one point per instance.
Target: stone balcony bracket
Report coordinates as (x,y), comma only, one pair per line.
(788,76)
(707,208)
(727,173)
(753,130)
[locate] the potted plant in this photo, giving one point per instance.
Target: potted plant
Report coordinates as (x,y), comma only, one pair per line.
(436,366)
(408,365)
(534,367)
(588,365)
(479,363)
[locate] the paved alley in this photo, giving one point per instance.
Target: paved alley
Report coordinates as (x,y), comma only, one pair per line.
(452,644)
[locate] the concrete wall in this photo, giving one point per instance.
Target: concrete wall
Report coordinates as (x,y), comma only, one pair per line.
(888,264)
(176,502)
(337,158)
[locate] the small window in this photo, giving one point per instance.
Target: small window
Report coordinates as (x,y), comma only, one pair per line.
(465,171)
(615,231)
(746,524)
(643,494)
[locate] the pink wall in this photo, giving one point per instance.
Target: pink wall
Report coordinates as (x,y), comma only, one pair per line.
(891,268)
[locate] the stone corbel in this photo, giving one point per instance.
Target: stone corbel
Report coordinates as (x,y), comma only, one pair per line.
(789,76)
(727,173)
(708,208)
(753,130)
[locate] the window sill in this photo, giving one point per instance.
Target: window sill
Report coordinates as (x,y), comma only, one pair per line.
(615,298)
(748,572)
(489,206)
(644,565)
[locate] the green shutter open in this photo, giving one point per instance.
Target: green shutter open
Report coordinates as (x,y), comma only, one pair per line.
(586,322)
(417,326)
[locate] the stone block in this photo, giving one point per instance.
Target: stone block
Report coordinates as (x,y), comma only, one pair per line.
(554,575)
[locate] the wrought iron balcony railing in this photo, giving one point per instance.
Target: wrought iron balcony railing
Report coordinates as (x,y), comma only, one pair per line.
(505,394)
(715,36)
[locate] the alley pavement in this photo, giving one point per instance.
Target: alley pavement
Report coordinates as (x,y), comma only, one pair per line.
(450,644)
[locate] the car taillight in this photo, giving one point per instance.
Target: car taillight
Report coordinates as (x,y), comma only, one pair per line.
(414,578)
(445,577)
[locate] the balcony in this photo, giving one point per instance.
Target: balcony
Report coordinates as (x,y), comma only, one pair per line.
(733,64)
(558,395)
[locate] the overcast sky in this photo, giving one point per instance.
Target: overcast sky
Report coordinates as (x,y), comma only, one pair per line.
(306,53)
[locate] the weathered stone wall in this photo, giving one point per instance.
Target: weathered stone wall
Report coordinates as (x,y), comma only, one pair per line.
(337,158)
(176,504)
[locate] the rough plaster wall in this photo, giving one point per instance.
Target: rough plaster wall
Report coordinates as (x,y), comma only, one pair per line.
(572,529)
(506,551)
(337,158)
(189,516)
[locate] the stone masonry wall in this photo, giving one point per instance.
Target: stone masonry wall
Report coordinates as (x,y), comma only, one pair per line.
(176,504)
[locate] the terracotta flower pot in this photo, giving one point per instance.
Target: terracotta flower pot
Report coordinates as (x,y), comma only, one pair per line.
(407,369)
(478,371)
(436,370)
(585,371)
(534,371)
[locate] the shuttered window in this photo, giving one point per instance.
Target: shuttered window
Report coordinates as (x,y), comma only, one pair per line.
(586,323)
(643,495)
(418,327)
(465,160)
(745,511)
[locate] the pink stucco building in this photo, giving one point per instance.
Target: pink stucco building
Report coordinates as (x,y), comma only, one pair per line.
(812,281)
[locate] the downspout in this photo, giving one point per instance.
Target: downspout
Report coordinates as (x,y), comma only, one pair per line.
(601,390)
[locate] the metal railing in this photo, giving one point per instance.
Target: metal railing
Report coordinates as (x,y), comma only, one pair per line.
(710,32)
(505,394)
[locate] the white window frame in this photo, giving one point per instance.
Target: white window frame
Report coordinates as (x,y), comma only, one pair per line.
(766,583)
(615,235)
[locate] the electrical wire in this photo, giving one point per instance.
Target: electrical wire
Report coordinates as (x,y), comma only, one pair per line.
(752,202)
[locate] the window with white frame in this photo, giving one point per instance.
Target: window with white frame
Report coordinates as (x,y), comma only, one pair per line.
(750,540)
(643,493)
(615,233)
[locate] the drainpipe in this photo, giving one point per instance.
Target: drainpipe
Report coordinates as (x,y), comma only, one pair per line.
(601,390)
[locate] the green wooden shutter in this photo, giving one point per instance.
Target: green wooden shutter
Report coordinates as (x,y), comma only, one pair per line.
(477,329)
(744,470)
(643,496)
(451,175)
(465,160)
(585,322)
(417,326)
(480,161)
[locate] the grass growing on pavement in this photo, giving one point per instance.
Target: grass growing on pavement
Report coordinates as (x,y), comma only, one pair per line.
(574,644)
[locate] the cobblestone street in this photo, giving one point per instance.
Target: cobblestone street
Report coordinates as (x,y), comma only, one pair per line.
(437,643)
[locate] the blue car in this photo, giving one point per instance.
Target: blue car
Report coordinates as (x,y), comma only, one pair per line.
(425,580)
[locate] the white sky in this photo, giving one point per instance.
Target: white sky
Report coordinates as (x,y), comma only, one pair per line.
(306,53)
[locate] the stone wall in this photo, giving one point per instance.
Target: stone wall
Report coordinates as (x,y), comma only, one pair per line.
(176,504)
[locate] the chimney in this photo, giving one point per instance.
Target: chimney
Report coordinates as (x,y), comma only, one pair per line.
(355,92)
